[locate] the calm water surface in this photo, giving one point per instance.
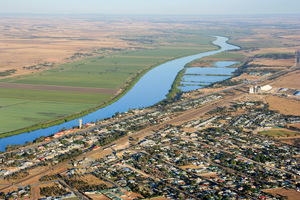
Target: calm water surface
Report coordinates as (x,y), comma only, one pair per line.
(199,77)
(150,89)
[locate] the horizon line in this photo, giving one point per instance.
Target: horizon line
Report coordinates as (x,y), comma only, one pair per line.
(188,15)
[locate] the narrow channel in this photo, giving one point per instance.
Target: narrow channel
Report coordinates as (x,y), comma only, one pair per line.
(149,90)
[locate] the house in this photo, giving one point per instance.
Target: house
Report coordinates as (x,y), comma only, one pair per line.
(4,172)
(95,147)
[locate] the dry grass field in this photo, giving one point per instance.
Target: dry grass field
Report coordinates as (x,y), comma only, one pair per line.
(94,180)
(31,41)
(274,63)
(290,81)
(283,105)
(296,125)
(98,197)
(34,40)
(280,133)
(290,194)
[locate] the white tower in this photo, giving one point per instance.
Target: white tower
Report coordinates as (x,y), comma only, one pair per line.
(80,123)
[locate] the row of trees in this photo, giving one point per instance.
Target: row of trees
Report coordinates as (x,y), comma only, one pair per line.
(50,177)
(276,56)
(17,175)
(81,185)
(52,191)
(8,72)
(110,138)
(72,154)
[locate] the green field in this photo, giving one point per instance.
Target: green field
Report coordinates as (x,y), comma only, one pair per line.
(22,108)
(112,71)
(279,133)
(227,56)
(18,113)
(55,96)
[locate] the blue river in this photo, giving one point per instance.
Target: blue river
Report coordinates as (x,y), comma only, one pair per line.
(150,89)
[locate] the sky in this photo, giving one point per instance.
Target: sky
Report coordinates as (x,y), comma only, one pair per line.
(149,7)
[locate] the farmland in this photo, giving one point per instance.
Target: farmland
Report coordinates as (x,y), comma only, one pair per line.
(20,113)
(99,73)
(105,68)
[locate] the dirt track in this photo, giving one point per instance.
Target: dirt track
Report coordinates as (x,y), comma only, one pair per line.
(59,88)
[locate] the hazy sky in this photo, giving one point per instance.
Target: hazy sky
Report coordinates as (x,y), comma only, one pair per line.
(173,7)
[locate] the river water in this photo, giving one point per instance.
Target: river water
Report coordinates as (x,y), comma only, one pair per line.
(150,89)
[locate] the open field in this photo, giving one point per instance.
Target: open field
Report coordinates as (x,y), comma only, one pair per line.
(296,125)
(280,132)
(235,56)
(18,113)
(58,88)
(55,96)
(289,81)
(98,72)
(98,197)
(283,105)
(274,63)
(94,180)
(35,40)
(189,166)
(290,194)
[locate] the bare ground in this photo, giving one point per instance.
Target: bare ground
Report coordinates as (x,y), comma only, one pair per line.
(290,194)
(94,180)
(289,81)
(273,63)
(295,125)
(284,106)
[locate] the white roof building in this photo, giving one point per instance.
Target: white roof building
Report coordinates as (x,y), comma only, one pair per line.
(266,87)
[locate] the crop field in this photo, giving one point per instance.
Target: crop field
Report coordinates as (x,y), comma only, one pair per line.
(58,88)
(111,72)
(19,113)
(227,56)
(20,108)
(56,96)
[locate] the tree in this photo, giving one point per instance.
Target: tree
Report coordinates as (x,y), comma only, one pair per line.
(181,196)
(63,129)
